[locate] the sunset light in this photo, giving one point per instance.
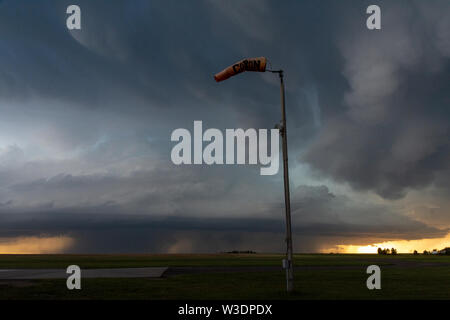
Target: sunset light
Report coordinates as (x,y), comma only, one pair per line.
(35,245)
(402,246)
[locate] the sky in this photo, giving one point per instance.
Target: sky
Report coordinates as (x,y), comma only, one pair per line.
(86,118)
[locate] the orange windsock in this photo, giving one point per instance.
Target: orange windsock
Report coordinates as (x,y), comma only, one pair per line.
(251,64)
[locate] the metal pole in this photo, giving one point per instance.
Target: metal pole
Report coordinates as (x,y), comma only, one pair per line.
(287,201)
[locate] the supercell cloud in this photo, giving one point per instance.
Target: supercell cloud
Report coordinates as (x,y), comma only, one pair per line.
(392,132)
(86,119)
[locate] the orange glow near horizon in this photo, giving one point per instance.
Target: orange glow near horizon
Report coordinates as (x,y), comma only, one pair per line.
(402,246)
(35,245)
(59,244)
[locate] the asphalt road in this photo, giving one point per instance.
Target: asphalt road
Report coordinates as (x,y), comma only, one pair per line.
(28,274)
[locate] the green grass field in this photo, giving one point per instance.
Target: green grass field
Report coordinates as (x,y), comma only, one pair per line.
(318,277)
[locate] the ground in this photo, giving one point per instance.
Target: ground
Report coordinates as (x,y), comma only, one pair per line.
(237,276)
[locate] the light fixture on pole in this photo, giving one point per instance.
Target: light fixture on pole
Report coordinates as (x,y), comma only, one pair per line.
(259,65)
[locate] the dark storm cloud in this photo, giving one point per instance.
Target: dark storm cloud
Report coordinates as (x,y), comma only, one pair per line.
(87,117)
(393,131)
(320,218)
(130,57)
(100,232)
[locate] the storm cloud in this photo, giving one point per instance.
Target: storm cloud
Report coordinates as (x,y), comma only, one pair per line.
(87,117)
(392,134)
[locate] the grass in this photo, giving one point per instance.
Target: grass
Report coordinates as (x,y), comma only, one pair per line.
(402,278)
(168,260)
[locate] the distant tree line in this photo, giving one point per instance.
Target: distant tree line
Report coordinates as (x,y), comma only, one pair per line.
(386,251)
(239,251)
(445,251)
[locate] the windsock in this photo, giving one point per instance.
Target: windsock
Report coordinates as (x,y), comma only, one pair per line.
(251,64)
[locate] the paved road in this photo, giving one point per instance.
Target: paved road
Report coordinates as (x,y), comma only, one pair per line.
(10,274)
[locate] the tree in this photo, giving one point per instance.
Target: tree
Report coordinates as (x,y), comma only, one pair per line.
(415,252)
(425,252)
(393,251)
(380,251)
